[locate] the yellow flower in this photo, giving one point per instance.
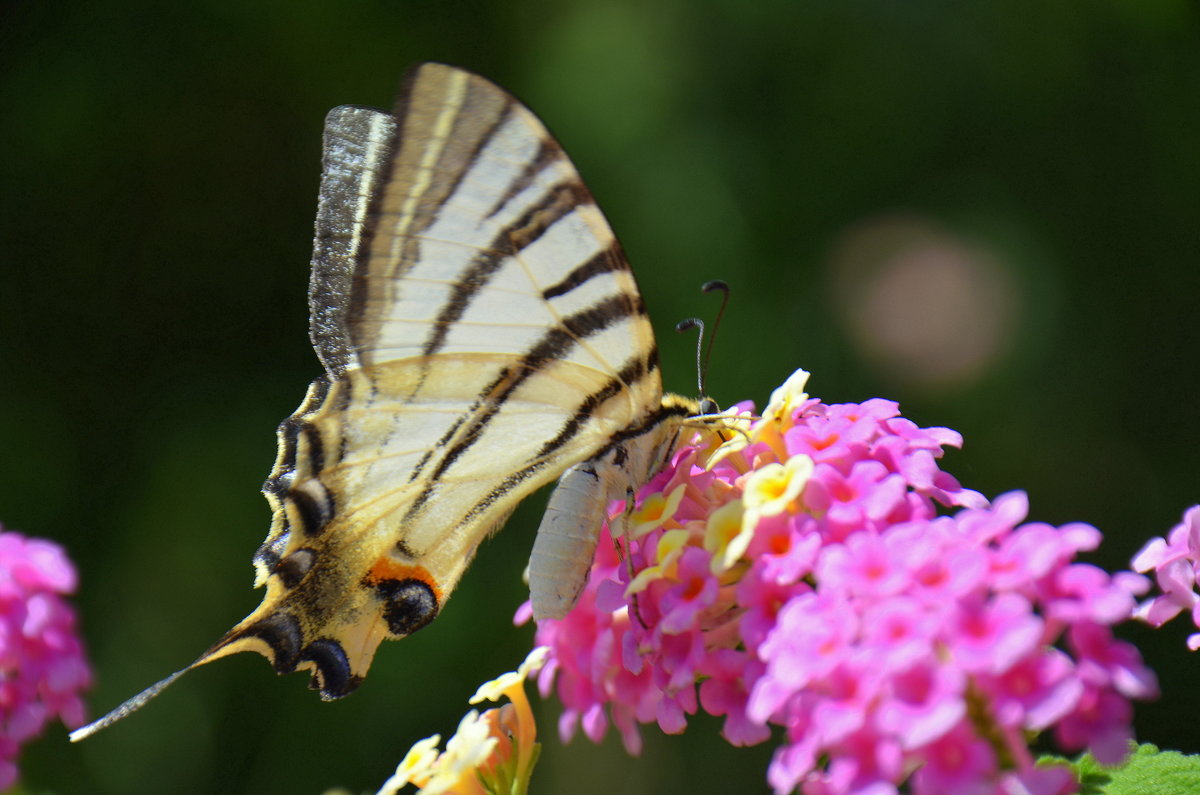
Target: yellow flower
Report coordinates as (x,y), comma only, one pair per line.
(512,682)
(419,767)
(457,770)
(490,754)
(735,429)
(774,488)
(786,398)
(656,511)
(669,548)
(726,536)
(777,417)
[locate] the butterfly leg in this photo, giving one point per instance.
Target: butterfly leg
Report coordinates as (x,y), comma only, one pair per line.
(618,527)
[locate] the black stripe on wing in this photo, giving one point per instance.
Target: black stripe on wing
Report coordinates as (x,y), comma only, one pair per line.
(556,343)
(555,205)
(634,371)
(467,117)
(606,261)
(548,152)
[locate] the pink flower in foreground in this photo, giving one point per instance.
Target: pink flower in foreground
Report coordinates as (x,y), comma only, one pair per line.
(42,665)
(815,569)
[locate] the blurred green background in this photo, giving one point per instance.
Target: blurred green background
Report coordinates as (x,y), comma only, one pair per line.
(987,211)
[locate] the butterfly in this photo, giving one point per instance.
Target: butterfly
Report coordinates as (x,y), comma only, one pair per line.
(481,335)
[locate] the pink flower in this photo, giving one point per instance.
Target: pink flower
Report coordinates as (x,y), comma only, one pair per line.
(42,666)
(724,692)
(696,590)
(785,547)
(957,763)
(1174,561)
(1036,692)
(815,569)
(1100,723)
(863,498)
(862,567)
(925,701)
(1110,663)
(899,631)
(942,569)
(809,641)
(1045,779)
(989,637)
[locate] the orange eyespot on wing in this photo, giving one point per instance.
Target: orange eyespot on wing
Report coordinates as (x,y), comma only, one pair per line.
(387,569)
(410,595)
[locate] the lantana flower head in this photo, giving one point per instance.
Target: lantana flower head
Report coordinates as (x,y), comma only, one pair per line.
(814,569)
(43,670)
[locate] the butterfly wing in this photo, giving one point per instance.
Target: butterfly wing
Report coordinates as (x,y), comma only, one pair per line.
(480,331)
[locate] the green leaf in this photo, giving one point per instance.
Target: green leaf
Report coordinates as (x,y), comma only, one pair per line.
(1147,770)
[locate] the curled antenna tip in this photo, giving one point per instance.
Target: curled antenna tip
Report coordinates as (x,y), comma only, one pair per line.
(702,356)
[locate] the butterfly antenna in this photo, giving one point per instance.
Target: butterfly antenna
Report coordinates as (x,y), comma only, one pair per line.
(708,287)
(704,356)
(691,323)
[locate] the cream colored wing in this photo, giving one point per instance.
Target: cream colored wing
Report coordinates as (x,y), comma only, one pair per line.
(480,331)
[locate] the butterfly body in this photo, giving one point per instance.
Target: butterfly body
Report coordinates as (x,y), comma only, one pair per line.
(480,332)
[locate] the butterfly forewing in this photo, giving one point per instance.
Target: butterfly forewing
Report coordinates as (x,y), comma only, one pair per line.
(484,240)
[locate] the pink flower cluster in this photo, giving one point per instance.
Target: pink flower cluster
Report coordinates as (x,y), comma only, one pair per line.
(42,665)
(1176,564)
(796,572)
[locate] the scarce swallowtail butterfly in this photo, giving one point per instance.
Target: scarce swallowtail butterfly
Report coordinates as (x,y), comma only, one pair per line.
(481,333)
